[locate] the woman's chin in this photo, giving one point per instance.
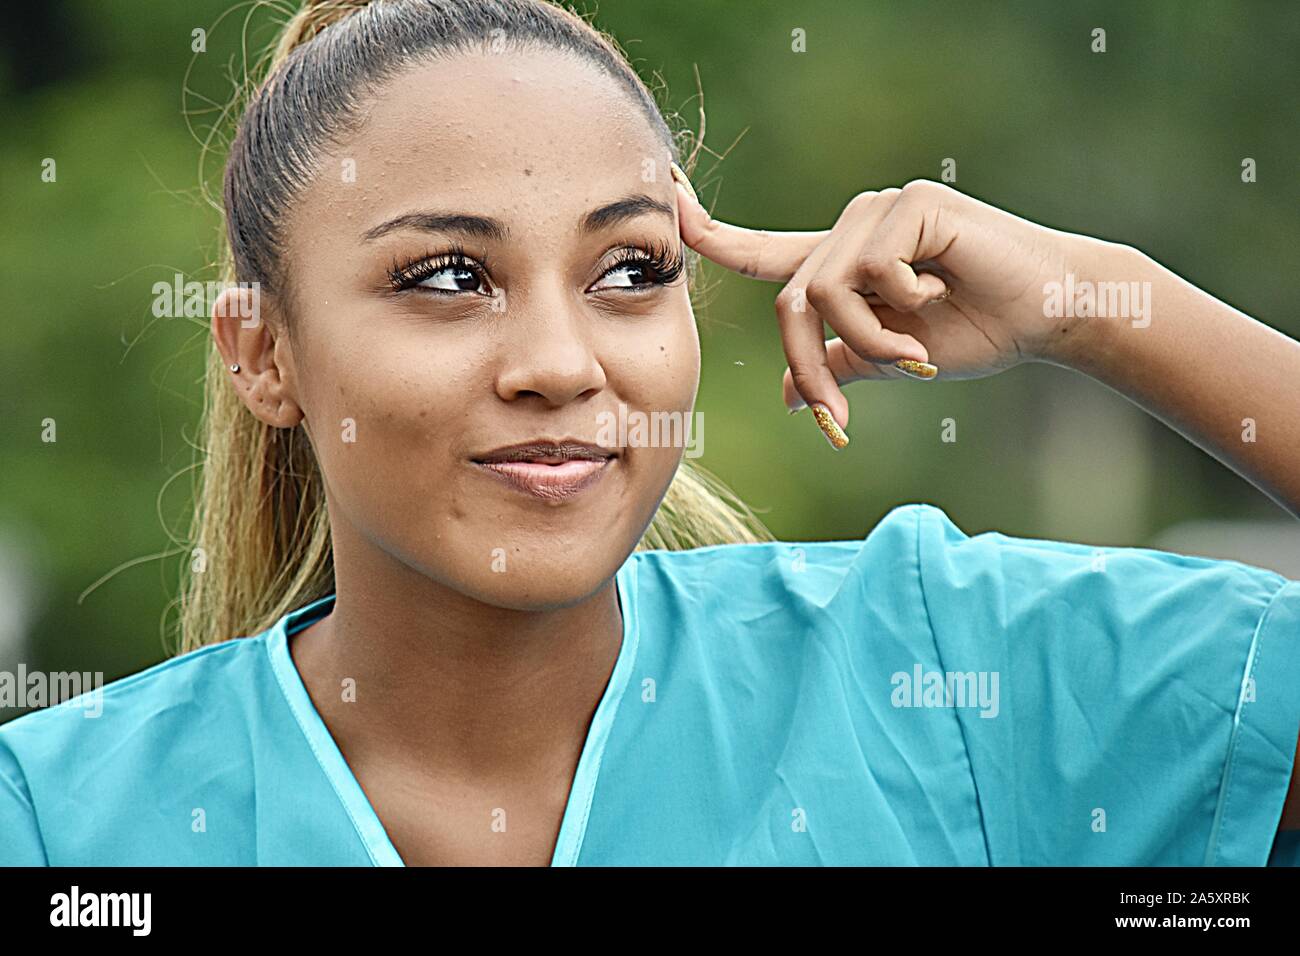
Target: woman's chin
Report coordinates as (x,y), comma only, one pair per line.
(544,578)
(535,595)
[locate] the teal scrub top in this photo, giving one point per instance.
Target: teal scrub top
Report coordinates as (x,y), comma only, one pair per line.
(915,697)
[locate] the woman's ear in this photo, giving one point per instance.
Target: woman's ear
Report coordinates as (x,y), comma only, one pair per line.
(257,356)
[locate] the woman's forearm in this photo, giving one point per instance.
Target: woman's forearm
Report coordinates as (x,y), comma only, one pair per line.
(963,289)
(1221,379)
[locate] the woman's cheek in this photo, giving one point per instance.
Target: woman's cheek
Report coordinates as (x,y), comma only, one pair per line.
(657,367)
(383,432)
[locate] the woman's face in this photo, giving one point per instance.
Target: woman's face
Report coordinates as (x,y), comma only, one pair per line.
(408,369)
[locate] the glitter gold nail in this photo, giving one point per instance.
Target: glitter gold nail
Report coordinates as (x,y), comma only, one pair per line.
(681,178)
(915,369)
(834,434)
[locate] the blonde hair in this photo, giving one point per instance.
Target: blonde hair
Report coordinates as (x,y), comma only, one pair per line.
(259,504)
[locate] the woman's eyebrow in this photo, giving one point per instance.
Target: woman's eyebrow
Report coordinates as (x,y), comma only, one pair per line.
(621,210)
(482,227)
(487,228)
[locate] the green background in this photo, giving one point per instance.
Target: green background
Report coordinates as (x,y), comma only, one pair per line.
(1142,144)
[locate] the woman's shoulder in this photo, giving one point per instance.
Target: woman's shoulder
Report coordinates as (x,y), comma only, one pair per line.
(894,533)
(773,599)
(137,750)
(925,535)
(785,582)
(918,571)
(139,712)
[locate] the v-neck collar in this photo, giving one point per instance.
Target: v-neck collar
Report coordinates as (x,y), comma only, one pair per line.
(374,837)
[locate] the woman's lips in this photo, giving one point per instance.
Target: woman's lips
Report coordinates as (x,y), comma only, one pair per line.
(549,482)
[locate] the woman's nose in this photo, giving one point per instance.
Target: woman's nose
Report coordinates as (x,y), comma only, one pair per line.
(549,350)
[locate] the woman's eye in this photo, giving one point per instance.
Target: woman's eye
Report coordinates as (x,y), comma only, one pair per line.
(461,275)
(642,270)
(452,274)
(451,279)
(629,275)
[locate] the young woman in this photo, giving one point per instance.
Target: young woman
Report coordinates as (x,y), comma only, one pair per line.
(484,631)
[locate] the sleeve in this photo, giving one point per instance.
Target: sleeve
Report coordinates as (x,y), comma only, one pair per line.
(20,837)
(1146,704)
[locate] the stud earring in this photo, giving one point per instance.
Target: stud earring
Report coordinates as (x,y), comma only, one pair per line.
(235,367)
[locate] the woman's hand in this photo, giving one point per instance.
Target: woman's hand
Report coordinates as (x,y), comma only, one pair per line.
(922,272)
(1223,380)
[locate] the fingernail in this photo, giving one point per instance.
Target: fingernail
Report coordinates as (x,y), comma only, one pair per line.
(681,177)
(834,434)
(914,369)
(799,405)
(947,292)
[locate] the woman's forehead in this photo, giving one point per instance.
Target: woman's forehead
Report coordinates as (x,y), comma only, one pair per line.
(532,130)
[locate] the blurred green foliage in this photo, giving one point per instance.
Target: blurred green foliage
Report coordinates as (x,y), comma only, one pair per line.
(1142,144)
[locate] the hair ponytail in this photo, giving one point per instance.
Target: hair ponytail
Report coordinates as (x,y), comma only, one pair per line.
(260,530)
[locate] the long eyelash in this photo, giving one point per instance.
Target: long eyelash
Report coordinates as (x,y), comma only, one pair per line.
(408,274)
(664,260)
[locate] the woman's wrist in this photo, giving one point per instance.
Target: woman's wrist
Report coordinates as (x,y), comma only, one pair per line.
(1102,299)
(1212,373)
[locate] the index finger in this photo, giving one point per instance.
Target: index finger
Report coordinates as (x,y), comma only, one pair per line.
(757,253)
